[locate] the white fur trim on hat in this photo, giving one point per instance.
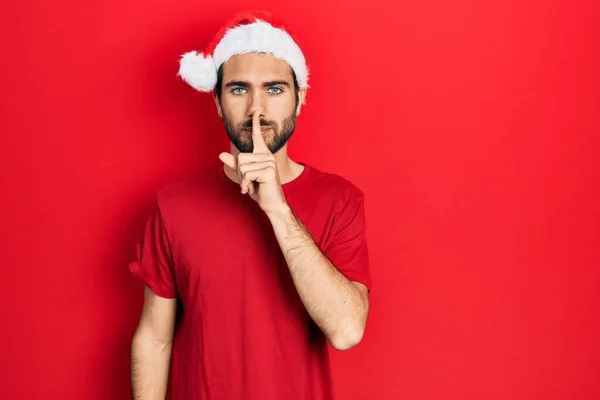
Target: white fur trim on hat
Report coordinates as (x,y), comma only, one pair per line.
(262,37)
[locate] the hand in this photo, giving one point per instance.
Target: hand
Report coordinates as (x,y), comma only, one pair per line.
(257,172)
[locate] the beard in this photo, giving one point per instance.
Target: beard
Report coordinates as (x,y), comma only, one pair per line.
(243,140)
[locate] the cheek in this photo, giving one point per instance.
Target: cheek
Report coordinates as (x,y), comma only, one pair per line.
(282,108)
(234,112)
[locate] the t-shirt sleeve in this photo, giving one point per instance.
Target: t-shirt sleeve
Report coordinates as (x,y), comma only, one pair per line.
(153,264)
(348,250)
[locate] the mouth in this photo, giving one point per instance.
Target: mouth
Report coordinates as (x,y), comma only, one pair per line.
(262,129)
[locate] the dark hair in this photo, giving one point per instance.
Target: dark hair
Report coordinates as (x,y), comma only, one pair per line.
(219,86)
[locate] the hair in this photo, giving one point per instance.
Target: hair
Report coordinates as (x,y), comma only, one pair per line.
(219,86)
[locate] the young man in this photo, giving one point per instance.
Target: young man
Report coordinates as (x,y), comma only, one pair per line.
(249,272)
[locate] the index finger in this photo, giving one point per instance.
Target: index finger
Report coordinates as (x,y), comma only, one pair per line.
(260,146)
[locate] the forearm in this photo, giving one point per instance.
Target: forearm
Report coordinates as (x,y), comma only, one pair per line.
(150,360)
(335,303)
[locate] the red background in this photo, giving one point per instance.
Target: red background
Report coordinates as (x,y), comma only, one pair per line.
(471,126)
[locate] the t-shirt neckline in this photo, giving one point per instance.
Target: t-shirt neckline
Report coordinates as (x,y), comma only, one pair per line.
(286,186)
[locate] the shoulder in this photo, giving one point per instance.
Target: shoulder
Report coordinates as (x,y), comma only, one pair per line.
(335,185)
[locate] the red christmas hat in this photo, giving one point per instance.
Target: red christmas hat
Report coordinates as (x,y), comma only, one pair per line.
(245,32)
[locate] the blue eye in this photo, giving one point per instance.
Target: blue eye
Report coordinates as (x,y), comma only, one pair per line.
(237,90)
(278,90)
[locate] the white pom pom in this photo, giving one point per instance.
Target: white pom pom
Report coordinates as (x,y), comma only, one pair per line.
(198,71)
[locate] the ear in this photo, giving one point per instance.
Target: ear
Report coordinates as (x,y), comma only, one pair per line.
(301,100)
(218,104)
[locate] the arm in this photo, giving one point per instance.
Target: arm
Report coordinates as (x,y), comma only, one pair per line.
(337,305)
(151,347)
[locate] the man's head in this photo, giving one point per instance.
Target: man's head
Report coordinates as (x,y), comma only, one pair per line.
(252,63)
(252,81)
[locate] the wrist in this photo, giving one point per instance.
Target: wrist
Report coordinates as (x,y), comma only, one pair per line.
(283,212)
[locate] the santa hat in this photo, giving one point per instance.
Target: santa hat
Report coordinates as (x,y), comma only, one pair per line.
(246,32)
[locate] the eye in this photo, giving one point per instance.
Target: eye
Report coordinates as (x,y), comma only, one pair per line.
(238,90)
(275,90)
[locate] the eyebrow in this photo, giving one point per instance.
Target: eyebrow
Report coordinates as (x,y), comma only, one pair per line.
(265,84)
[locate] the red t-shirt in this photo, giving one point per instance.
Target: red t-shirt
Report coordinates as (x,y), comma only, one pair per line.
(242,331)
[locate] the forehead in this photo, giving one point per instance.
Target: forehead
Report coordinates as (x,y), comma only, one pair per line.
(256,67)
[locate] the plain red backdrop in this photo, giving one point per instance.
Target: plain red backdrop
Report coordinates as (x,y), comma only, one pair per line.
(471,126)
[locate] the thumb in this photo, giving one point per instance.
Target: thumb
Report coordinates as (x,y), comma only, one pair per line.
(229,160)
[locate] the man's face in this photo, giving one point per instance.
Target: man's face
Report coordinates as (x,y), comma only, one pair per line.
(264,82)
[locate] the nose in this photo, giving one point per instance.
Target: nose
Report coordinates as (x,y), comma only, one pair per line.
(257,102)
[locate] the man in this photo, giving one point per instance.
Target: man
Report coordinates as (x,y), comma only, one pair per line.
(250,271)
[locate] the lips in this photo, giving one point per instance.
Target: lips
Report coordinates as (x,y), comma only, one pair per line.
(263,129)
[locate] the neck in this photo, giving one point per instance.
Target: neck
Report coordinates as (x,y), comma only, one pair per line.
(288,169)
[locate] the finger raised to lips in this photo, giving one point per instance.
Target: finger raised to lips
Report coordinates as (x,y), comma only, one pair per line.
(260,146)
